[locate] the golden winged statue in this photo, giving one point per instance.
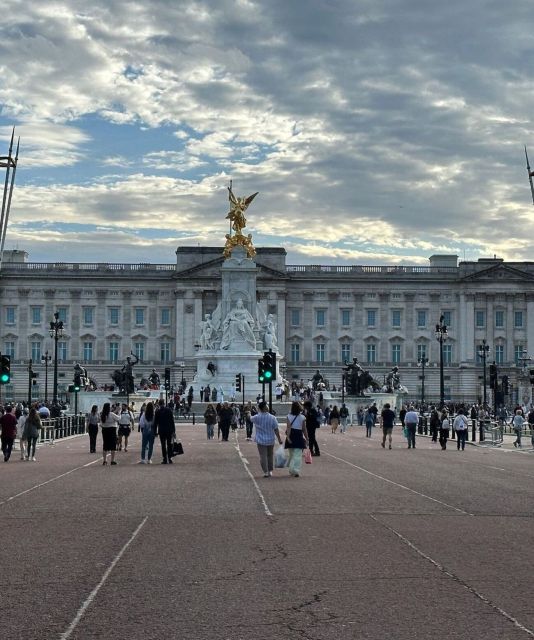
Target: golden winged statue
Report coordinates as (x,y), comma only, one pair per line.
(236,215)
(238,206)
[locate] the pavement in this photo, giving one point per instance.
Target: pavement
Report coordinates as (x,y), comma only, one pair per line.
(368,543)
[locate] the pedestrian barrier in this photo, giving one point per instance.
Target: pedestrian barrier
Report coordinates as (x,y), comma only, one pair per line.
(63,427)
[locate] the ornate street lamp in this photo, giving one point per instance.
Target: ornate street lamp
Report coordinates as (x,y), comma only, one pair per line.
(483,350)
(441,337)
(56,332)
(422,362)
(45,359)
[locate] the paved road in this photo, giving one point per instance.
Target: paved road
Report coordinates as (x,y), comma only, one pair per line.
(367,543)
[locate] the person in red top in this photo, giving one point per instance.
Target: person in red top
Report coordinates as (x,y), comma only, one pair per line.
(8,426)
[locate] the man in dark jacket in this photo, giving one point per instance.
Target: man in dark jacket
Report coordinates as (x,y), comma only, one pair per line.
(225,420)
(312,423)
(166,429)
(8,428)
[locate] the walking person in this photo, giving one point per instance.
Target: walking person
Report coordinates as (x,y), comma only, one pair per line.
(23,443)
(411,420)
(226,416)
(444,429)
(296,438)
(460,425)
(210,418)
(312,424)
(148,433)
(126,424)
(266,430)
(435,422)
(108,424)
(530,418)
(518,422)
(387,422)
(32,429)
(369,421)
(92,421)
(8,427)
(166,429)
(334,418)
(344,417)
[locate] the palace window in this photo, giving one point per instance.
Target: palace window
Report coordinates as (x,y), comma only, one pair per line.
(319,352)
(165,317)
(139,317)
(421,319)
(346,352)
(114,351)
(36,315)
(371,353)
(518,319)
(499,319)
(88,351)
(345,317)
(396,353)
(320,317)
(371,317)
(10,315)
(88,316)
(114,316)
(36,351)
(165,352)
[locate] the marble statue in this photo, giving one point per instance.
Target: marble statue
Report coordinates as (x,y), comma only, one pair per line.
(207,333)
(270,334)
(238,326)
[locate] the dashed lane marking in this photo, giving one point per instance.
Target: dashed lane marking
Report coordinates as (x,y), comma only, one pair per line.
(42,484)
(87,602)
(401,486)
(268,512)
(456,579)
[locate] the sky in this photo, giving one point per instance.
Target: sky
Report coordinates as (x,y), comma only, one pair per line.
(375,131)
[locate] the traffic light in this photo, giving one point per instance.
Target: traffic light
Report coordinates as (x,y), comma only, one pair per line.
(5,369)
(238,382)
(493,375)
(261,371)
(77,383)
(167,378)
(269,361)
(506,385)
(33,375)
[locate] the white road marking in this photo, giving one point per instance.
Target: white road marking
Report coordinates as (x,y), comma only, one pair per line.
(457,579)
(42,484)
(268,512)
(402,486)
(94,592)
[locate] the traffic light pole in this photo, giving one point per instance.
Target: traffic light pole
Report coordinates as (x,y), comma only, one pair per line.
(30,381)
(270,396)
(243,388)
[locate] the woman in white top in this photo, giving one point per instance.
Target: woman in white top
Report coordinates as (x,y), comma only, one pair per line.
(109,422)
(23,443)
(296,438)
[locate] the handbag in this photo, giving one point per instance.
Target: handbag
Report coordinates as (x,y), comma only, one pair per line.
(307,456)
(177,449)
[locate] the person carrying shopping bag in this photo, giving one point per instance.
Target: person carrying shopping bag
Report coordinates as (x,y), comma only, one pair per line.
(296,438)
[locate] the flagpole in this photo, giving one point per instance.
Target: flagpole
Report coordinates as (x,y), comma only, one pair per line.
(530,175)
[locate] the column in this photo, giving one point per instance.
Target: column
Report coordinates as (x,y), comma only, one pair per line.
(22,323)
(509,328)
(530,324)
(409,324)
(281,322)
(307,327)
(179,295)
(461,331)
(470,326)
(332,326)
(126,334)
(384,323)
(100,325)
(358,327)
(75,314)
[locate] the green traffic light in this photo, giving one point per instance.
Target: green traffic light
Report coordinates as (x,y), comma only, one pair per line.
(4,377)
(268,375)
(261,378)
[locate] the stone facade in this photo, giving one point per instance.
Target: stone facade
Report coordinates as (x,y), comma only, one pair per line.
(383,315)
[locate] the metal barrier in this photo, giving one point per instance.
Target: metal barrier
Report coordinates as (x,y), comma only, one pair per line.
(57,428)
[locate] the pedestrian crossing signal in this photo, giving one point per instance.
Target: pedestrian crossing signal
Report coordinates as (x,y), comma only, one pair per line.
(5,369)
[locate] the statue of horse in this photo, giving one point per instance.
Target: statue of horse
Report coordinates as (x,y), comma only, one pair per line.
(118,378)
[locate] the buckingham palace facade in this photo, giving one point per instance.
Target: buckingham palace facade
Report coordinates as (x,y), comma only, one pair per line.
(325,315)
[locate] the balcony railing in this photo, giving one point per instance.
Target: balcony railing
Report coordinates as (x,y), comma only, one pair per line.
(85,266)
(369,269)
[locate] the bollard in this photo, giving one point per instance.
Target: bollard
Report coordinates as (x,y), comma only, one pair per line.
(420,426)
(193,417)
(481,429)
(473,430)
(425,425)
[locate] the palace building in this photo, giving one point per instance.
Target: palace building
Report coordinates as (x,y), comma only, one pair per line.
(325,315)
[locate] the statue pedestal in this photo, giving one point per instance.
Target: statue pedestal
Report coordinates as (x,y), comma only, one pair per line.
(227,365)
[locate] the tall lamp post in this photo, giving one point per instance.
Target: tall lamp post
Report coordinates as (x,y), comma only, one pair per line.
(441,337)
(56,332)
(422,362)
(45,359)
(483,350)
(182,381)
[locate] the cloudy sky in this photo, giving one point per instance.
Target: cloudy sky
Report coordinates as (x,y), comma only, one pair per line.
(376,131)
